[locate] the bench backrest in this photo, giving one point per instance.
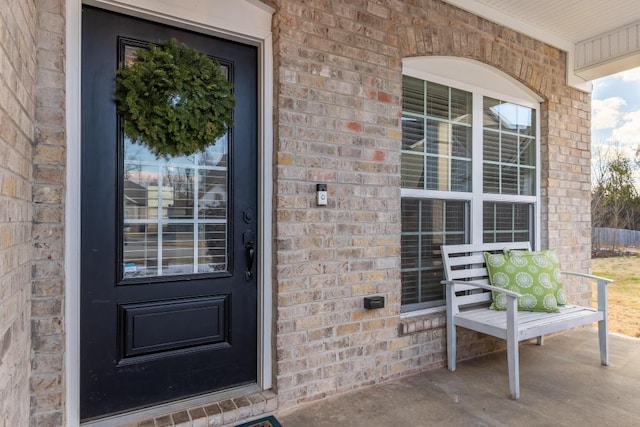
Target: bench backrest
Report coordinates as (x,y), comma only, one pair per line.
(466,263)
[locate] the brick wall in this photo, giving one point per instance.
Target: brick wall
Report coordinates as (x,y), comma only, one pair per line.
(17,109)
(47,361)
(338,88)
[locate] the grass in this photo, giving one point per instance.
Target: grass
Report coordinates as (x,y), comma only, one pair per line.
(624,293)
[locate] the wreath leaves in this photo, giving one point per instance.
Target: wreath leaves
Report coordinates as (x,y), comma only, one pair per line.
(174,100)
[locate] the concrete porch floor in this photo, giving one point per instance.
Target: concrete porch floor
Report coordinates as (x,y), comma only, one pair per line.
(561,383)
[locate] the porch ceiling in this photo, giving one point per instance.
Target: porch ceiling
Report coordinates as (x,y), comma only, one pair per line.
(600,37)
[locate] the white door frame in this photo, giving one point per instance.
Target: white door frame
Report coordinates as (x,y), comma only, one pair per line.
(247,21)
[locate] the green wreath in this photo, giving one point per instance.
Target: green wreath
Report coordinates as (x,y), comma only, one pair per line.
(174,100)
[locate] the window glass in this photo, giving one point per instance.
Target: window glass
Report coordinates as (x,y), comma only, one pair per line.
(413,95)
(508,148)
(413,134)
(460,106)
(427,225)
(507,222)
(437,101)
(436,142)
(412,171)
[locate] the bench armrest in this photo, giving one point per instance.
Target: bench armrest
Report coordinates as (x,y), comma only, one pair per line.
(512,303)
(604,280)
(483,286)
(602,288)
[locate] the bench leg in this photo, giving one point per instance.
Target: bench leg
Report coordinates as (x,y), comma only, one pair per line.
(451,345)
(603,339)
(451,328)
(513,358)
(514,368)
(603,336)
(540,340)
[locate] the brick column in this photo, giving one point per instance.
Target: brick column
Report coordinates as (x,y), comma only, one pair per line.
(47,321)
(566,183)
(17,110)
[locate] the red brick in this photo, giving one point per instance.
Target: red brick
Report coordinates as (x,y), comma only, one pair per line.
(354,126)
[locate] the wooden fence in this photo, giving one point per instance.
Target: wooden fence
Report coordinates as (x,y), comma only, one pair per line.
(606,237)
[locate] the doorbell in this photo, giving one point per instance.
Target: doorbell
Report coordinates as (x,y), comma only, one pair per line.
(321,192)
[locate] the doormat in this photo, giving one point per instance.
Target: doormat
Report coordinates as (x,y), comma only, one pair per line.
(269,421)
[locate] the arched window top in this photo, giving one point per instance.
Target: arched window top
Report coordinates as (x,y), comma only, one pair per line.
(469,74)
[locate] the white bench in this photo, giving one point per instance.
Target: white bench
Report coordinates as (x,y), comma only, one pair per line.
(468,302)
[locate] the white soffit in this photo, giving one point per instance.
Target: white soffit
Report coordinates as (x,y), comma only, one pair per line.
(600,37)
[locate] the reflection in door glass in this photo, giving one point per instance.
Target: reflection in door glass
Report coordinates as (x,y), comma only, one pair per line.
(177,249)
(175,212)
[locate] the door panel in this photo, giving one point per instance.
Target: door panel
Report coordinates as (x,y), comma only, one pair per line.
(168,290)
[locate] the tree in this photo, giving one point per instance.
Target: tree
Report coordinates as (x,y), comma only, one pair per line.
(615,200)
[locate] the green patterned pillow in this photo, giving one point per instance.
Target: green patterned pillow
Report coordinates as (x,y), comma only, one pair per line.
(535,275)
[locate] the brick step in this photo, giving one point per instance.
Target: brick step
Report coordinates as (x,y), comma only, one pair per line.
(226,412)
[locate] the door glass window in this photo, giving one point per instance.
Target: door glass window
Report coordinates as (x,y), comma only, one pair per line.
(175,211)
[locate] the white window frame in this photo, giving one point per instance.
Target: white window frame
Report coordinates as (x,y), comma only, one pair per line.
(481,81)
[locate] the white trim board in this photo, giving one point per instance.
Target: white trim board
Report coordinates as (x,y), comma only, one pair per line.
(247,21)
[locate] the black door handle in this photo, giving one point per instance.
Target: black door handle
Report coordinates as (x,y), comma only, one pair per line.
(251,254)
(248,238)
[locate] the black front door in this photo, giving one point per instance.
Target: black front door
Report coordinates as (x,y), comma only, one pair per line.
(168,282)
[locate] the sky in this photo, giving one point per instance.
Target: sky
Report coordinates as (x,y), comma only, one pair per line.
(615,118)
